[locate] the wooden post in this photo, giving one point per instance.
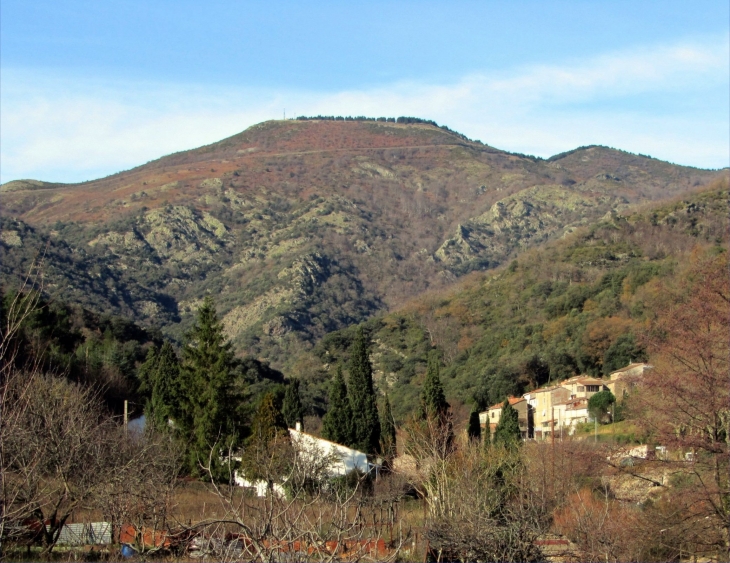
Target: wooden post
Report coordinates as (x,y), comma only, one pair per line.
(613,420)
(126,415)
(552,426)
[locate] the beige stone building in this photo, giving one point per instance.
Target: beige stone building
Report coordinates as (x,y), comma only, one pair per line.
(492,414)
(583,386)
(541,403)
(621,381)
(569,414)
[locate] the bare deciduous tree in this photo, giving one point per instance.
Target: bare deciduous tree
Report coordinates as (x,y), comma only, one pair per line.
(137,484)
(56,453)
(685,400)
(481,504)
(314,517)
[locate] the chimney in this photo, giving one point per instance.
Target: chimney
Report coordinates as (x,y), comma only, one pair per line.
(298,426)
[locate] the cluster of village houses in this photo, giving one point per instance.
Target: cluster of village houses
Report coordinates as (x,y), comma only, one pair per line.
(556,410)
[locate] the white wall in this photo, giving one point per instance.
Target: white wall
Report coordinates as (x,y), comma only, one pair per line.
(344,459)
(313,451)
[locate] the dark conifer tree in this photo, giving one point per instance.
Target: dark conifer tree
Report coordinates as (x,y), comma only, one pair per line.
(365,421)
(262,459)
(433,400)
(207,377)
(292,408)
(474,429)
(507,431)
(268,422)
(337,423)
(166,394)
(387,425)
(146,372)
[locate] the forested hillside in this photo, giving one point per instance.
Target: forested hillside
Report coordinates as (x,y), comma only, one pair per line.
(579,305)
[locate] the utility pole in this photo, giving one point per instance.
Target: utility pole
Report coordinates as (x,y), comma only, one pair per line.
(552,438)
(613,420)
(552,426)
(126,415)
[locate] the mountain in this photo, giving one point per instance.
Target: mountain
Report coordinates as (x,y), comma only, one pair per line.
(302,228)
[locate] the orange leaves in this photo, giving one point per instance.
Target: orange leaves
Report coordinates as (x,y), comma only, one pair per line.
(601,333)
(604,529)
(689,346)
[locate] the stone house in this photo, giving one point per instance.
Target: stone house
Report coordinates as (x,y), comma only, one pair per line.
(541,403)
(492,414)
(623,380)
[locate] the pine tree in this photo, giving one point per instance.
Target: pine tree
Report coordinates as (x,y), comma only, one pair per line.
(433,400)
(507,431)
(207,376)
(387,425)
(474,430)
(336,425)
(292,408)
(262,459)
(146,372)
(365,421)
(165,396)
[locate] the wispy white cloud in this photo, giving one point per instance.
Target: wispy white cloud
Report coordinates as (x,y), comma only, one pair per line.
(666,101)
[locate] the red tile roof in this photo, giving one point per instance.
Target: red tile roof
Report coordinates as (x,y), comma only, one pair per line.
(512,401)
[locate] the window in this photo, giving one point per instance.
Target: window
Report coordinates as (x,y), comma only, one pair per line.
(593,388)
(581,388)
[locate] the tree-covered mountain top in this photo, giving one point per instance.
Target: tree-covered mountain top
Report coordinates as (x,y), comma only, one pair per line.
(297,158)
(577,305)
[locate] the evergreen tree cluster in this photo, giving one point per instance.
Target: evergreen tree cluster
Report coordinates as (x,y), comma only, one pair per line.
(363,118)
(401,119)
(433,400)
(194,396)
(292,409)
(352,419)
(507,431)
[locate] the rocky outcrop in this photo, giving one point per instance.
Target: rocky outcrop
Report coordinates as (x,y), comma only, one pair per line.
(520,220)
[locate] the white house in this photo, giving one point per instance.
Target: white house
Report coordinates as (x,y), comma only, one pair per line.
(343,459)
(312,453)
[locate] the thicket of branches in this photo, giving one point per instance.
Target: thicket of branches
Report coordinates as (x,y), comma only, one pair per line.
(62,451)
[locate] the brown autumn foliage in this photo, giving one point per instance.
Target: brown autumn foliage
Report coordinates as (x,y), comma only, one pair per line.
(684,402)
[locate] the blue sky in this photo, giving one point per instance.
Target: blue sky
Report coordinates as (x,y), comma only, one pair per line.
(90,88)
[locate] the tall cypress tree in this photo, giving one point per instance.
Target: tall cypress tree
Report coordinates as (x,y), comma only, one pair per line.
(433,400)
(292,408)
(365,421)
(474,430)
(487,436)
(337,423)
(387,425)
(507,431)
(207,374)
